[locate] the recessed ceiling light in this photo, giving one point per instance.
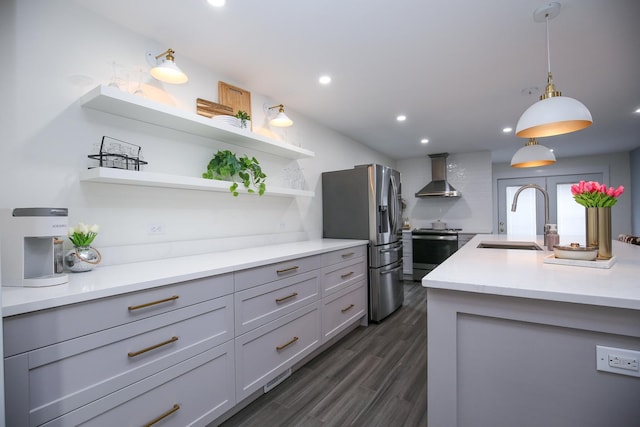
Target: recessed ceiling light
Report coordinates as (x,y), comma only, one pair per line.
(424,140)
(324,80)
(217,3)
(507,130)
(401,118)
(638,110)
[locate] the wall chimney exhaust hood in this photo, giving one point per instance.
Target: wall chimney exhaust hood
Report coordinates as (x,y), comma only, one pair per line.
(439,186)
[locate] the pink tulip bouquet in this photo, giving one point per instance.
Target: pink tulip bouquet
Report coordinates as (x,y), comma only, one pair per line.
(595,195)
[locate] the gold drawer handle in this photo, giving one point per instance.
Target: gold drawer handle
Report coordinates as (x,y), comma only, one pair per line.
(153,347)
(286,270)
(163,416)
(283,299)
(137,307)
(344,310)
(347,255)
(283,346)
(344,276)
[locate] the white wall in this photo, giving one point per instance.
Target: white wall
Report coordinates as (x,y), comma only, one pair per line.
(7,79)
(55,51)
(635,191)
(469,173)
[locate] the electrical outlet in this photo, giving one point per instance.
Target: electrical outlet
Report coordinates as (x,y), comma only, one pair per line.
(618,360)
(155,229)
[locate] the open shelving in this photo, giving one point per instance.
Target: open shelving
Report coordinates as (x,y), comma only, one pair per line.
(112,100)
(152,179)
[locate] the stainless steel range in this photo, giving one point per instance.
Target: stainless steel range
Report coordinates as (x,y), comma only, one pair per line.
(431,247)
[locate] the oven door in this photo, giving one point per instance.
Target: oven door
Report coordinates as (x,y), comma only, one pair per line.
(429,250)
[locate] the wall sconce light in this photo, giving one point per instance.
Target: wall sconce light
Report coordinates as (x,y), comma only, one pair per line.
(532,155)
(164,67)
(281,119)
(554,114)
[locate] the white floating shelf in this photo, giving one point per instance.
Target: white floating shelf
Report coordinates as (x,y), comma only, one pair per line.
(152,179)
(113,100)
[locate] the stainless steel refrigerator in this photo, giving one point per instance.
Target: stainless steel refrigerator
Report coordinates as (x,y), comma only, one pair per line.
(364,203)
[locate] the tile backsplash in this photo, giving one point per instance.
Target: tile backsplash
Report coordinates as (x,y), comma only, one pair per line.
(469,173)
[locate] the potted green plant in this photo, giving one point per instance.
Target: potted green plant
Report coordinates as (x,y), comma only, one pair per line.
(244,118)
(83,256)
(226,166)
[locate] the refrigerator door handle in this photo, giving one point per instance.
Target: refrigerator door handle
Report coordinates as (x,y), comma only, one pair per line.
(396,249)
(395,196)
(392,270)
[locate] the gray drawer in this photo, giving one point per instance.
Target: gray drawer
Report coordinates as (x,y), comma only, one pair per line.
(245,279)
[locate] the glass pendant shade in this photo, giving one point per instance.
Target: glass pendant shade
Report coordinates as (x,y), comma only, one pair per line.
(532,155)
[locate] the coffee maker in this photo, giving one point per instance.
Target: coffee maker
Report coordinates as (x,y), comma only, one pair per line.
(31,246)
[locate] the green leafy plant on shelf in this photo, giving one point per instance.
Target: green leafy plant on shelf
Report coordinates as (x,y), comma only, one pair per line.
(243,116)
(226,166)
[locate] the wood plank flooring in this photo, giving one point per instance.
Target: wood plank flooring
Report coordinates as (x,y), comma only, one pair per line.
(375,376)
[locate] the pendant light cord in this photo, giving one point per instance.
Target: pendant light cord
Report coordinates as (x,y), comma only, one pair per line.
(548,49)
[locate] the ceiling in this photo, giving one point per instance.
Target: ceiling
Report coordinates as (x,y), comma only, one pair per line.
(460,70)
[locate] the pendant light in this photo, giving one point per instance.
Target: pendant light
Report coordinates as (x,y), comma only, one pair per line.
(532,155)
(554,114)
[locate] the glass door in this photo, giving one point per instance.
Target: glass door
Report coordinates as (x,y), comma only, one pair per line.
(569,215)
(528,220)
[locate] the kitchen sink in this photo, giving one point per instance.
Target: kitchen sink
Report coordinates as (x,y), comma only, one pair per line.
(510,244)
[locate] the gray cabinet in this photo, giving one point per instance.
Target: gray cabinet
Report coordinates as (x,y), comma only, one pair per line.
(344,290)
(185,353)
(130,338)
(192,392)
(285,311)
(407,255)
(277,319)
(266,352)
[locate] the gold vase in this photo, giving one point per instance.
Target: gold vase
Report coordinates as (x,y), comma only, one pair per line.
(591,227)
(604,233)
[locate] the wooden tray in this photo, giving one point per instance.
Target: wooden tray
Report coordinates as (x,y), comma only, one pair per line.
(235,97)
(210,109)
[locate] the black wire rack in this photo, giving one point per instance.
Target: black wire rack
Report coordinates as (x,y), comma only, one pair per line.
(118,154)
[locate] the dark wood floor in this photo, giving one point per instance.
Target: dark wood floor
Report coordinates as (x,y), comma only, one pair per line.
(375,376)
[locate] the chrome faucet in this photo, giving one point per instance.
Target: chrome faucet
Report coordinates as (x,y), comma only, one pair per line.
(546,206)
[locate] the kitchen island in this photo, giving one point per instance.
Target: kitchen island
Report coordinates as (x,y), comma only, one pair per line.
(512,340)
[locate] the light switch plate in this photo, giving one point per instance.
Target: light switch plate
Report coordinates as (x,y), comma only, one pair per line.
(618,360)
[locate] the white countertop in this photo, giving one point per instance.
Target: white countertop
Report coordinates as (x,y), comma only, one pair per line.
(118,279)
(522,273)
